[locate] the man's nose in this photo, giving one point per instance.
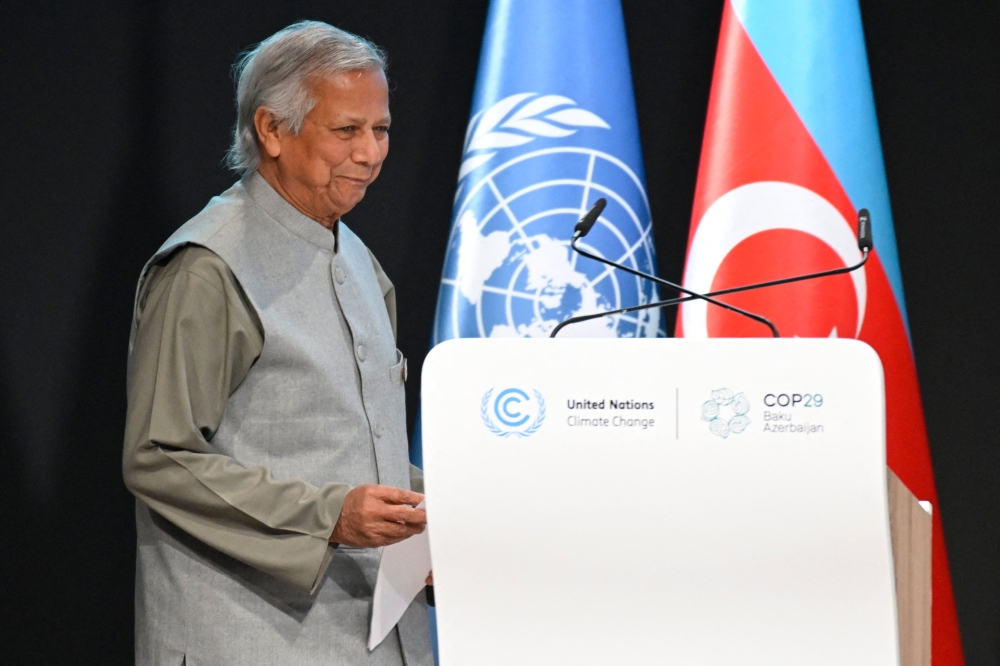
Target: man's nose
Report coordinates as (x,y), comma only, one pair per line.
(366,149)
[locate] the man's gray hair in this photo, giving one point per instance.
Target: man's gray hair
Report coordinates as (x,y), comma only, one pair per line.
(275,74)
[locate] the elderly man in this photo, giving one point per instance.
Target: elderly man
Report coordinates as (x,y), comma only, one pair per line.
(266,434)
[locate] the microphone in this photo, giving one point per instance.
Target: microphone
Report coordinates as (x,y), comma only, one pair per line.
(586,222)
(865,244)
(583,228)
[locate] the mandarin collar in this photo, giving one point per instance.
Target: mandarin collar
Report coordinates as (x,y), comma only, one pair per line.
(287,215)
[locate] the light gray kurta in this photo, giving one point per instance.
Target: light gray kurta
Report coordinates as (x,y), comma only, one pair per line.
(224,572)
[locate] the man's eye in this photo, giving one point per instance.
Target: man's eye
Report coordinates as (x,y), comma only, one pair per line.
(382,129)
(348,129)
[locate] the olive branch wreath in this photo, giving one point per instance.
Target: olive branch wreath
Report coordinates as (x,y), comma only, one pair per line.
(501,126)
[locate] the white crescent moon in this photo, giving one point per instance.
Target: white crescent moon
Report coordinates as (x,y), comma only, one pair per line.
(751,209)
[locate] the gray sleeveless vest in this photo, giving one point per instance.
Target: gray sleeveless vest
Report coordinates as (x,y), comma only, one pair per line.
(324,402)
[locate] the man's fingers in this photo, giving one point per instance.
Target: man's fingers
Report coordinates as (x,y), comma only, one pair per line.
(375,516)
(401,513)
(396,531)
(391,495)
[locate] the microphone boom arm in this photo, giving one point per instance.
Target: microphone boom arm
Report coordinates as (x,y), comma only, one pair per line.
(708,296)
(666,283)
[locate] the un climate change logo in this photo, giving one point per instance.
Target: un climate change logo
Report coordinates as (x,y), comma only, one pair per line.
(512,412)
(726,413)
(510,271)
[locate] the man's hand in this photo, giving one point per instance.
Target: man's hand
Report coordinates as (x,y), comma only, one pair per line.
(374,516)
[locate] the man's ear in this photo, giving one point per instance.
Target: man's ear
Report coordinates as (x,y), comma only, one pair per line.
(268,131)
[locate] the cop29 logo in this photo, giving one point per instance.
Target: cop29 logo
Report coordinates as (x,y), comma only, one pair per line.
(726,413)
(512,412)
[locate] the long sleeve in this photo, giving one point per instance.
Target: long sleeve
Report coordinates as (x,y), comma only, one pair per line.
(197,337)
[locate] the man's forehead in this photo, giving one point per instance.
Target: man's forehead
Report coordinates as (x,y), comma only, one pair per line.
(354,79)
(345,94)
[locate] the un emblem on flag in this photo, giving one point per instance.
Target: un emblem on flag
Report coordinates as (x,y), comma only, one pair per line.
(523,186)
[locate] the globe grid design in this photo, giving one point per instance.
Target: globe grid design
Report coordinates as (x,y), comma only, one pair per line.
(726,413)
(532,202)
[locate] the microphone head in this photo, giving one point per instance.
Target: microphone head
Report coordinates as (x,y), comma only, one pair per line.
(864,230)
(586,222)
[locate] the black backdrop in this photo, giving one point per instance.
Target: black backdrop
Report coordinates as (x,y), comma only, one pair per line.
(116,116)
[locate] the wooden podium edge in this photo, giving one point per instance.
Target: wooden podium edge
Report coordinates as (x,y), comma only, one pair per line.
(910,528)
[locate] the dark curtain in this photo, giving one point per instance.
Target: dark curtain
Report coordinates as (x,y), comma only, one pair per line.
(116,115)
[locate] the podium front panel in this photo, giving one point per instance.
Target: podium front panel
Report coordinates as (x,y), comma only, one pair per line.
(658,501)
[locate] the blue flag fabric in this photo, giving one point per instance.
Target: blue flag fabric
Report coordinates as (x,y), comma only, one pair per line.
(553,129)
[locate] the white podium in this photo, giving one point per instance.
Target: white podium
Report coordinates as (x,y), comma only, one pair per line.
(661,502)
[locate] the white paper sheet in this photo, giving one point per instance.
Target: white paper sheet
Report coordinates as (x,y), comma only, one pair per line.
(401,576)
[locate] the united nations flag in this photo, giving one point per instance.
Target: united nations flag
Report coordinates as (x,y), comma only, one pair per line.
(553,129)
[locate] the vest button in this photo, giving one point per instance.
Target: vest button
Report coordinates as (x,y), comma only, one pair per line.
(339,275)
(378,429)
(362,354)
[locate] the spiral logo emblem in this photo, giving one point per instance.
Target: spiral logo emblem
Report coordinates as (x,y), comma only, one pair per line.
(726,413)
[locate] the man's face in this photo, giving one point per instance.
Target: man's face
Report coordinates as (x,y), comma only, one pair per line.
(326,168)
